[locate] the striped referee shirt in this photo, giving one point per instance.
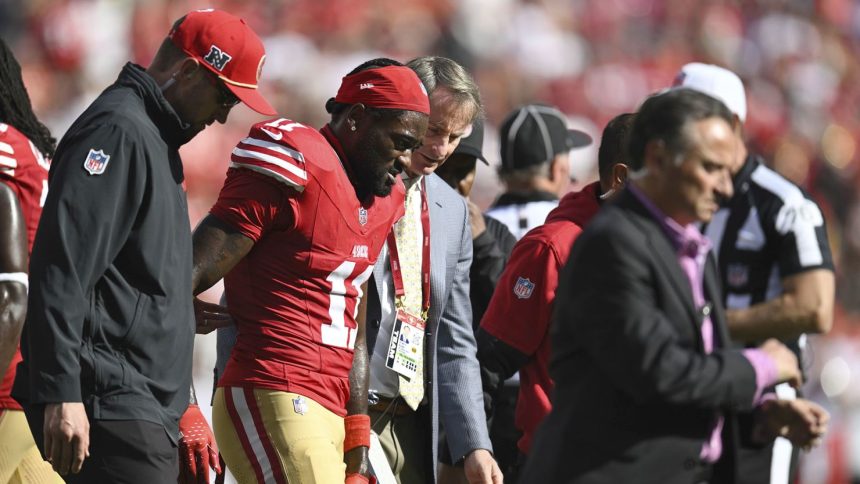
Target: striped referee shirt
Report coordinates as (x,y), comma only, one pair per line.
(769,230)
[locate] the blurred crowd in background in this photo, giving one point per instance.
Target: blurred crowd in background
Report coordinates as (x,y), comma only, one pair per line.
(800,61)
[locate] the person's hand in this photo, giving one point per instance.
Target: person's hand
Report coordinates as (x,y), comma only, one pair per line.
(67,436)
(359,479)
(477,219)
(785,360)
(800,421)
(197,448)
(481,468)
(357,466)
(210,317)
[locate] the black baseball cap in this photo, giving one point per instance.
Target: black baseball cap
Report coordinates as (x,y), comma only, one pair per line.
(472,144)
(534,134)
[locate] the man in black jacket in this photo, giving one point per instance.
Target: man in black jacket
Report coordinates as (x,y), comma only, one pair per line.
(107,345)
(646,381)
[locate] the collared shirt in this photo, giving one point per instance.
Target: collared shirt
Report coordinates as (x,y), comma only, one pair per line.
(383,380)
(692,251)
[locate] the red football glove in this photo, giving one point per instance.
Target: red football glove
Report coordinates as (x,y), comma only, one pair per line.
(197,448)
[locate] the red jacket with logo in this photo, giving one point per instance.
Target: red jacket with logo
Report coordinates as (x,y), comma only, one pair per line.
(520,311)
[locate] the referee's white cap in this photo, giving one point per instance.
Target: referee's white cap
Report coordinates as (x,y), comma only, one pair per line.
(716,82)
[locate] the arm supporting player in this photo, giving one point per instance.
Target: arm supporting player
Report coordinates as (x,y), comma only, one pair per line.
(13,265)
(357,423)
(218,247)
(805,306)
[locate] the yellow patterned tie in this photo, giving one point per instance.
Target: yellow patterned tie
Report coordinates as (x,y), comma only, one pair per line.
(406,232)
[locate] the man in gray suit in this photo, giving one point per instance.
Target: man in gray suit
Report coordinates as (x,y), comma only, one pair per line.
(442,385)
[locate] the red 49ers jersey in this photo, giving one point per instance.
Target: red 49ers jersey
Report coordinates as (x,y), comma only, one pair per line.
(295,295)
(25,170)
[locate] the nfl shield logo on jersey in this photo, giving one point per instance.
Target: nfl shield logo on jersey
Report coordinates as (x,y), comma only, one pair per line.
(523,288)
(300,406)
(362,215)
(96,162)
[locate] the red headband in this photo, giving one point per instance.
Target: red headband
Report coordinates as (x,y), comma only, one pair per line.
(393,87)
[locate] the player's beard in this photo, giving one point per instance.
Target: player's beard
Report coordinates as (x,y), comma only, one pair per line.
(371,177)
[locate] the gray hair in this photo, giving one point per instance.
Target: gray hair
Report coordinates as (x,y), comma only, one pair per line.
(437,71)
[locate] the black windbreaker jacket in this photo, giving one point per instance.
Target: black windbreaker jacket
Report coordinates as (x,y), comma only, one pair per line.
(110,320)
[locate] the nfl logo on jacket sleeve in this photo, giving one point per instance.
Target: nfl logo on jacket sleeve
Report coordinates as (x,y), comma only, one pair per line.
(96,162)
(523,288)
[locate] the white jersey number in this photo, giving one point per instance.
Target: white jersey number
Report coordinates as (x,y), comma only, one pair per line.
(335,332)
(281,124)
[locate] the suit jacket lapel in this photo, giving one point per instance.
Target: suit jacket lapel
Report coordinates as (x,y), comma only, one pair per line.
(667,260)
(713,292)
(437,248)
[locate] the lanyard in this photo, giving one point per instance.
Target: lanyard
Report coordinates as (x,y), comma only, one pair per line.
(397,274)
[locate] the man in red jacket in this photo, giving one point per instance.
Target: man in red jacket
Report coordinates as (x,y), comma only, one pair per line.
(514,332)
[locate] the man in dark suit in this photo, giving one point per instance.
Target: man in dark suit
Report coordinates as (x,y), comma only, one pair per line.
(646,383)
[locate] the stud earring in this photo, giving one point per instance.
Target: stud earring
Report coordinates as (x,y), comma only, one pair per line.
(352,127)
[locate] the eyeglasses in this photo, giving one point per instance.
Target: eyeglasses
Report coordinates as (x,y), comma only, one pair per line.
(225,97)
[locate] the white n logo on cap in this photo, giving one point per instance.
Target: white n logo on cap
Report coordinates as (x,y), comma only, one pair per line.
(217,58)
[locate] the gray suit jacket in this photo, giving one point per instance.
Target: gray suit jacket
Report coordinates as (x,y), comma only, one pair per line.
(451,365)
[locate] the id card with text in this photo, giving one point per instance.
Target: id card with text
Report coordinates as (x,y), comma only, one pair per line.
(406,344)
